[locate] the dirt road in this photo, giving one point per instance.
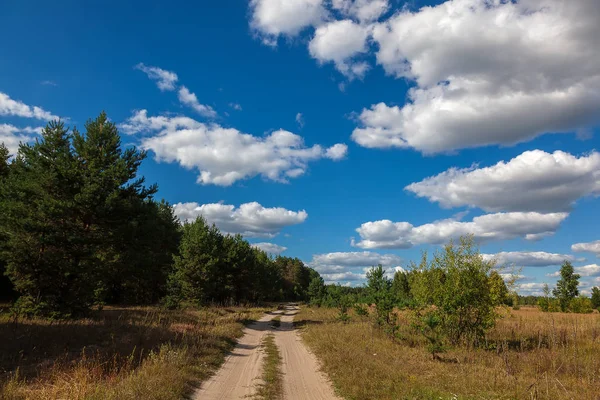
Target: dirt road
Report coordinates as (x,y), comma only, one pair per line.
(241,372)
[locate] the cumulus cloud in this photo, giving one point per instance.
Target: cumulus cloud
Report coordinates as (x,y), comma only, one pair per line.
(225,155)
(592,270)
(532,181)
(16,108)
(591,247)
(531,289)
(165,80)
(249,219)
(339,42)
(340,267)
(272,18)
(12,136)
(362,10)
(500,226)
(189,99)
(355,259)
(270,248)
(235,106)
(471,62)
(529,258)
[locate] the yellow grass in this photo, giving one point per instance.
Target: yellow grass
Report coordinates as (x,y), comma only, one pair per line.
(120,353)
(530,355)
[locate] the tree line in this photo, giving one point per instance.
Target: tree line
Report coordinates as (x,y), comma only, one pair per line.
(79,228)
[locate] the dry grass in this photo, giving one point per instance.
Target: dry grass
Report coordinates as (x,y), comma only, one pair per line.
(118,353)
(530,355)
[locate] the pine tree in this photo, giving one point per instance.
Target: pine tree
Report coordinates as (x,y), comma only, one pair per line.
(45,252)
(6,286)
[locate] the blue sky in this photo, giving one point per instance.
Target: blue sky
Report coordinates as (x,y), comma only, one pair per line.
(317,114)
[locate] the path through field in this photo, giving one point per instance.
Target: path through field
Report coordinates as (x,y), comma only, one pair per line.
(241,372)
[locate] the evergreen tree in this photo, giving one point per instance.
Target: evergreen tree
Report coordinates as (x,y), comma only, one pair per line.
(567,286)
(6,286)
(401,287)
(46,255)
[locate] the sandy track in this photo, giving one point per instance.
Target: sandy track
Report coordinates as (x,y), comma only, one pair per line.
(301,376)
(241,372)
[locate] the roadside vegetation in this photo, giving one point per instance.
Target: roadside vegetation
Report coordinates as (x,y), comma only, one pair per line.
(451,327)
(117,353)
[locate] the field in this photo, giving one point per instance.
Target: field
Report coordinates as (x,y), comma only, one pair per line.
(529,355)
(118,353)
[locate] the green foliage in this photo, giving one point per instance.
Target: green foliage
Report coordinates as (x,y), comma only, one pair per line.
(6,286)
(344,305)
(581,305)
(80,224)
(595,298)
(567,286)
(429,324)
(379,290)
(316,289)
(458,283)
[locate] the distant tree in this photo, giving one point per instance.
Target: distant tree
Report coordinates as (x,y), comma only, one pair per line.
(544,301)
(567,286)
(596,298)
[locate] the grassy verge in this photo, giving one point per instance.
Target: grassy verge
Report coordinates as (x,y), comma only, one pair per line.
(271,388)
(530,355)
(118,353)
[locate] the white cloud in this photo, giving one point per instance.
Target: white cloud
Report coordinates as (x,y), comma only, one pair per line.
(592,270)
(300,120)
(337,151)
(529,225)
(225,155)
(533,181)
(189,99)
(591,247)
(165,80)
(529,258)
(588,270)
(531,289)
(271,18)
(355,259)
(11,139)
(16,108)
(339,42)
(342,267)
(471,61)
(249,219)
(235,106)
(49,83)
(363,10)
(270,248)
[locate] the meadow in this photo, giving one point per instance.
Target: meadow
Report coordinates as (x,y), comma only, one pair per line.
(527,355)
(116,353)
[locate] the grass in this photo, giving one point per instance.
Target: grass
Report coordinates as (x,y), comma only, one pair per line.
(529,355)
(117,353)
(271,388)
